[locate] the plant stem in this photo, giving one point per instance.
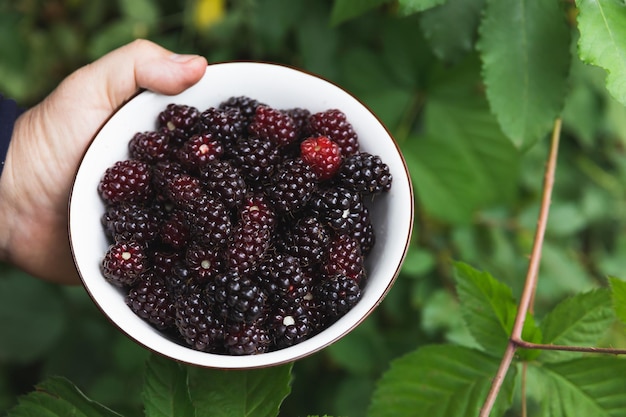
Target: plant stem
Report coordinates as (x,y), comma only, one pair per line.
(530,284)
(583,349)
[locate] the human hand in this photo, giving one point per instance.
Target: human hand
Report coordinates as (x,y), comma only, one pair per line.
(49,140)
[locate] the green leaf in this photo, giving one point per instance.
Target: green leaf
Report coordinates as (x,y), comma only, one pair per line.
(580,320)
(463,145)
(344,10)
(145,11)
(58,397)
(165,392)
(408,7)
(591,386)
(602,25)
(525,51)
(450,45)
(28,303)
(239,393)
(618,295)
(489,310)
(439,381)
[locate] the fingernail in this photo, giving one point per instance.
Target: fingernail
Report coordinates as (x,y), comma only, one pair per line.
(182,58)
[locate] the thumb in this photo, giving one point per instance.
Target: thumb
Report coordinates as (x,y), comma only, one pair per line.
(140,64)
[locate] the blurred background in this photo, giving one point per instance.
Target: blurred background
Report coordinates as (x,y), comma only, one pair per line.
(484,216)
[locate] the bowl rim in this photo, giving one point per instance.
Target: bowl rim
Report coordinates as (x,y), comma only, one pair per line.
(266,363)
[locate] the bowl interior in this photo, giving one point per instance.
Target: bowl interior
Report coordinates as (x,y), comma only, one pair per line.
(279,87)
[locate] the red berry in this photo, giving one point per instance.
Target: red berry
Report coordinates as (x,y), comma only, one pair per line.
(322,155)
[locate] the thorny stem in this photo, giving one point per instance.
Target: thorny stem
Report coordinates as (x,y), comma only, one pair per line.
(531,275)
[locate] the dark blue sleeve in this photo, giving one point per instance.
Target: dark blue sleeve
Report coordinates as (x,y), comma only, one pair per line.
(9,112)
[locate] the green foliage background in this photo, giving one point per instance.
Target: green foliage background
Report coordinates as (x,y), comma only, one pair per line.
(472,115)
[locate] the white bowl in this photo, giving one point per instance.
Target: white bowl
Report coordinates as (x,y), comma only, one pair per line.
(280,87)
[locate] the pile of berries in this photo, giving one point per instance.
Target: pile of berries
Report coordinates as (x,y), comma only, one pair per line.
(243,228)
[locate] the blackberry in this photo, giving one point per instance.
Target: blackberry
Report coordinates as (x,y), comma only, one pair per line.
(256,158)
(209,220)
(322,155)
(199,151)
(150,147)
(345,258)
(178,121)
(126,181)
(273,125)
(307,240)
(290,325)
(163,263)
(337,294)
(124,263)
(245,105)
(204,261)
(300,117)
(225,179)
(292,186)
(282,278)
(226,125)
(365,173)
(363,232)
(151,300)
(163,173)
(127,221)
(334,124)
(246,248)
(198,327)
(236,298)
(185,190)
(257,209)
(174,231)
(339,207)
(246,338)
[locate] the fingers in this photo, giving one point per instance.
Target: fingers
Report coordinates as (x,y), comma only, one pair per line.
(140,64)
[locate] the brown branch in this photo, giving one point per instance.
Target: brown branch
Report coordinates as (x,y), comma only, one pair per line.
(532,274)
(583,349)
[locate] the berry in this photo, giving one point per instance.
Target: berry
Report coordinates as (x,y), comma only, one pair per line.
(126,181)
(150,147)
(198,327)
(204,261)
(336,295)
(185,191)
(283,279)
(209,220)
(127,221)
(290,325)
(273,125)
(256,158)
(246,106)
(292,186)
(307,240)
(300,117)
(339,207)
(236,298)
(124,263)
(363,232)
(246,338)
(178,121)
(246,248)
(256,209)
(174,231)
(345,258)
(226,125)
(150,299)
(334,124)
(199,151)
(365,173)
(226,180)
(163,173)
(322,155)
